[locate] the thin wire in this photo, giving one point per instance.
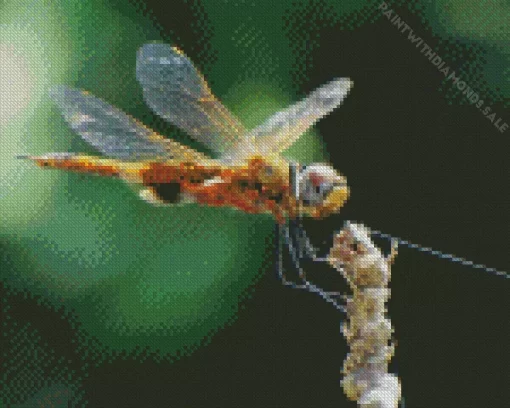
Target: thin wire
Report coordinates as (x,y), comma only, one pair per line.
(312,251)
(441,255)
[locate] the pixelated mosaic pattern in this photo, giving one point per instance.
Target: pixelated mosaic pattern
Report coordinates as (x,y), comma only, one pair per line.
(142,282)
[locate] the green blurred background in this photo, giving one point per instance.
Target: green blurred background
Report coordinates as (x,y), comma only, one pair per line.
(110,302)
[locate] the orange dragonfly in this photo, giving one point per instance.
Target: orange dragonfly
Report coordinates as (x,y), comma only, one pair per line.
(249,174)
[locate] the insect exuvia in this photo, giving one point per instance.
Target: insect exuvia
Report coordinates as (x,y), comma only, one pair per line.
(249,174)
(368,331)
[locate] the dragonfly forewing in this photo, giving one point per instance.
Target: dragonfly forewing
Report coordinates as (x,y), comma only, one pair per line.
(175,90)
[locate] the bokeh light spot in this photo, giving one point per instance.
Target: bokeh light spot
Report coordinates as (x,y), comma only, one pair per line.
(17,83)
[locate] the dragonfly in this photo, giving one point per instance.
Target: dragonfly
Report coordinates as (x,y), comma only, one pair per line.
(249,173)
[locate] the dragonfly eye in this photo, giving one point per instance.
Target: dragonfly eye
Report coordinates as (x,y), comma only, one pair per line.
(317,184)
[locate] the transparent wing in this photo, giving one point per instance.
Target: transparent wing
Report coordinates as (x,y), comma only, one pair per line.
(282,129)
(176,91)
(113,132)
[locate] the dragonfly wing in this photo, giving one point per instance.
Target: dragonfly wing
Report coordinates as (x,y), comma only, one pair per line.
(282,129)
(113,132)
(175,90)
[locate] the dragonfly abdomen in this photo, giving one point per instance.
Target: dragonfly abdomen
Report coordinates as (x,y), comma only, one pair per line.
(77,163)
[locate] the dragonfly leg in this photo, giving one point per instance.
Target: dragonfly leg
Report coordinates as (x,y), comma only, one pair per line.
(280,273)
(283,236)
(335,298)
(290,241)
(306,247)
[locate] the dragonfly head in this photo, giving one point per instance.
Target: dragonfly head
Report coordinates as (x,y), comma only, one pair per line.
(322,190)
